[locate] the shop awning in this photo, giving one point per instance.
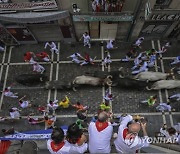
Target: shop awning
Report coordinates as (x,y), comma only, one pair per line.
(34,17)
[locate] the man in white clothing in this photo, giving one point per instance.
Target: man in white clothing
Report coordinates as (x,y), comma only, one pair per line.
(128,140)
(139,41)
(38,68)
(175,96)
(164,107)
(14,113)
(143,68)
(57,144)
(110,44)
(100,133)
(53,105)
(75,57)
(53,47)
(87,39)
(7,92)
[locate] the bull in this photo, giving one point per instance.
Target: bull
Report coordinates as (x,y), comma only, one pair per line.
(31,79)
(130,83)
(103,74)
(89,80)
(152,76)
(164,84)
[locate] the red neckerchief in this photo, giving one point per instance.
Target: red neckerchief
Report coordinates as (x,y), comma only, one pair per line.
(125,131)
(57,147)
(101,125)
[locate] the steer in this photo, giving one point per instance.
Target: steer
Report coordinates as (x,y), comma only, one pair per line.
(89,80)
(165,84)
(59,85)
(129,83)
(31,79)
(152,76)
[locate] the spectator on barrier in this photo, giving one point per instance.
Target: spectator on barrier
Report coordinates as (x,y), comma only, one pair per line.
(57,144)
(128,140)
(77,139)
(100,133)
(169,133)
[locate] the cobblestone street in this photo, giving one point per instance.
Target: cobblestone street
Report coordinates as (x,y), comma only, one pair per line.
(62,69)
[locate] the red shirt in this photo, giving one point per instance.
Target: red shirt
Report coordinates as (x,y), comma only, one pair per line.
(28,56)
(42,55)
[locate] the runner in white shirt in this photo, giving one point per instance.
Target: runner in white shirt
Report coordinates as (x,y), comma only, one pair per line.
(38,68)
(139,41)
(107,60)
(53,47)
(53,105)
(8,93)
(24,104)
(57,144)
(100,133)
(110,44)
(87,39)
(14,113)
(176,96)
(128,140)
(164,107)
(75,57)
(143,68)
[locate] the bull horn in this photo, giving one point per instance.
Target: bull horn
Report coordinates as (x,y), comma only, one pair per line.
(74,89)
(109,77)
(109,83)
(120,68)
(148,88)
(121,76)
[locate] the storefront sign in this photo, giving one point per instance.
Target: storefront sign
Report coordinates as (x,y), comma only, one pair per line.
(171,17)
(28,5)
(155,29)
(102,18)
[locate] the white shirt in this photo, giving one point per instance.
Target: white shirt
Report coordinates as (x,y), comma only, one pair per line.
(75,56)
(37,68)
(163,107)
(64,150)
(120,144)
(109,44)
(86,38)
(99,142)
(54,106)
(78,149)
(24,104)
(15,114)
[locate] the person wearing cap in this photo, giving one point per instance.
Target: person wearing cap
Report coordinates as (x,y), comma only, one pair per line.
(57,144)
(127,140)
(100,133)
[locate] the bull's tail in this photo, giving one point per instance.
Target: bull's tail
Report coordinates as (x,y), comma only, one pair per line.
(73,85)
(148,88)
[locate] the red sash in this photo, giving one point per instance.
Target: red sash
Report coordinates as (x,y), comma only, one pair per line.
(101,125)
(57,147)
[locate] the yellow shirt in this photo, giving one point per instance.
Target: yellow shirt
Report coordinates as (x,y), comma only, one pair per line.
(64,104)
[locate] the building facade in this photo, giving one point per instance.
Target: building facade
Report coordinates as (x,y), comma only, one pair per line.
(33,21)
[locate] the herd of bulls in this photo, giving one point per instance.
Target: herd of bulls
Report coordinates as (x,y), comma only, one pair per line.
(149,80)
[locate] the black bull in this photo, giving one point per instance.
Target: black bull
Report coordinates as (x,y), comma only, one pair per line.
(31,79)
